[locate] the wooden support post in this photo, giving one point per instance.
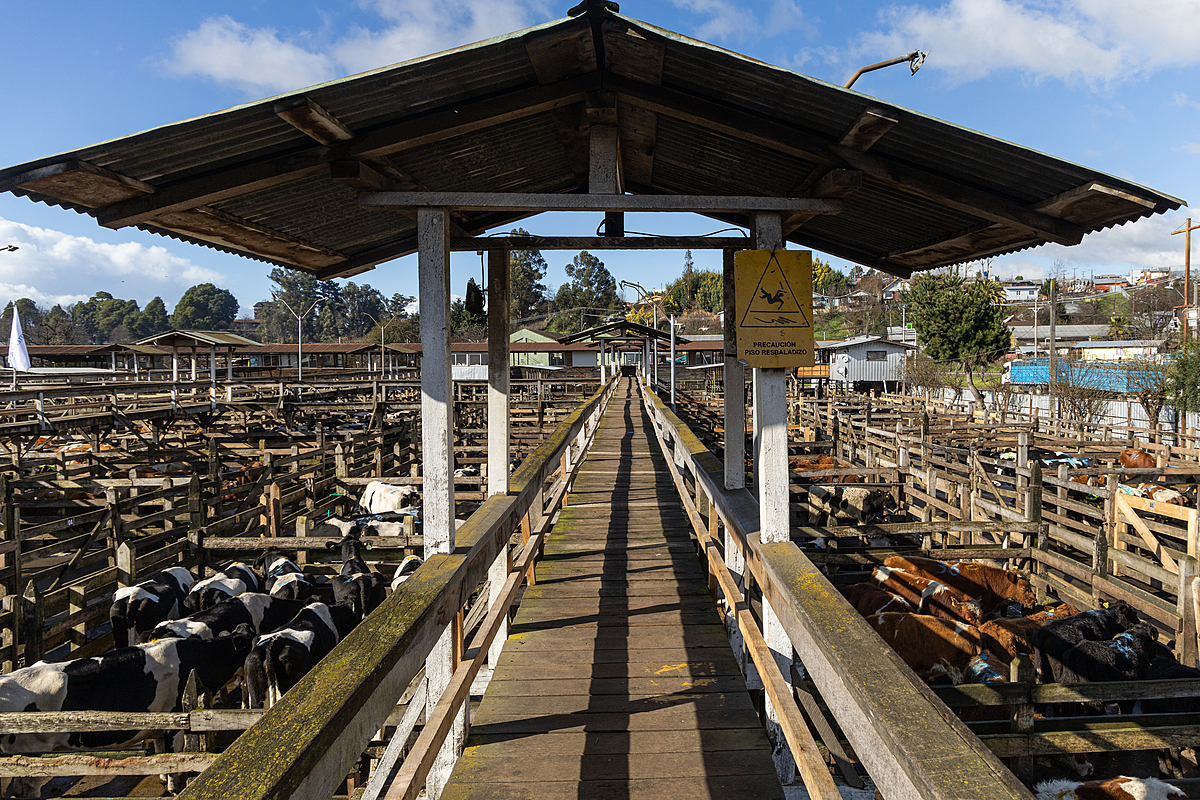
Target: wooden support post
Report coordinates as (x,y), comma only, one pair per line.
(32,622)
(498,421)
(437,423)
(735,391)
(1185,640)
(271,518)
(77,602)
(126,564)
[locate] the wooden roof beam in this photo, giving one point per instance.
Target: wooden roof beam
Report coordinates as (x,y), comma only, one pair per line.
(78,182)
(597,202)
(254,174)
(871,126)
(836,183)
(304,114)
(776,135)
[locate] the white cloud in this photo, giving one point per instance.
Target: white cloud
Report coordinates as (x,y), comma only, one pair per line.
(54,267)
(1145,243)
(731,21)
(1181,99)
(256,61)
(1096,42)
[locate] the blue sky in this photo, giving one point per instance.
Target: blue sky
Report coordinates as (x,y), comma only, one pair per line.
(1111,84)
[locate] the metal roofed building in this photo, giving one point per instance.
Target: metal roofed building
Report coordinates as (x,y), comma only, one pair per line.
(865,361)
(289,180)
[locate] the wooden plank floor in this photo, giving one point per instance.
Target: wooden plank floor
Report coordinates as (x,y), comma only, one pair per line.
(617,681)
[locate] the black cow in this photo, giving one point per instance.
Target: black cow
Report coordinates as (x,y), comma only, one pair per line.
(355,584)
(145,678)
(1164,668)
(137,609)
(281,658)
(1059,635)
(261,612)
(230,582)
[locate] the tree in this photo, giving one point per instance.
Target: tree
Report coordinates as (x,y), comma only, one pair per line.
(958,322)
(473,304)
(298,290)
(59,328)
(205,307)
(526,269)
(591,287)
(710,291)
(1118,327)
(1183,379)
(1148,379)
(153,319)
(358,305)
(31,321)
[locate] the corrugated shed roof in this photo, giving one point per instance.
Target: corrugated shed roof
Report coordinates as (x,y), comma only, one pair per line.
(279,179)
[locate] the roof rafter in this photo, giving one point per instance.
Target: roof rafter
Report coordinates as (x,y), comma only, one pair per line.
(776,135)
(253,175)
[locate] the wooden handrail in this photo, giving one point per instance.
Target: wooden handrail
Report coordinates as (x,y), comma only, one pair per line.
(305,745)
(907,739)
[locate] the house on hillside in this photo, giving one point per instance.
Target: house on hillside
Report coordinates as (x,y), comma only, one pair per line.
(1020,292)
(865,362)
(1109,283)
(1123,350)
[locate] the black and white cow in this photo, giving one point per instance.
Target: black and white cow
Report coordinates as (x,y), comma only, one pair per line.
(381,497)
(281,658)
(406,569)
(235,579)
(356,584)
(284,578)
(137,609)
(1058,635)
(145,678)
(1125,657)
(261,612)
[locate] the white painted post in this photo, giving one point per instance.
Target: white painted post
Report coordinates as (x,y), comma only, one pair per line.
(174,364)
(193,364)
(672,362)
(113,359)
(212,365)
(498,422)
(437,452)
(770,424)
(229,363)
(603,375)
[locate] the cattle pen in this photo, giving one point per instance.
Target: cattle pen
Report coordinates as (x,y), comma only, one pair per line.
(606,608)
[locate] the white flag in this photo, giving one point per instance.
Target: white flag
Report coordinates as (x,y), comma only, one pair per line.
(18,353)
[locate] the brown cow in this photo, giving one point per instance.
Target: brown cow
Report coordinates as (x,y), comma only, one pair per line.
(991,584)
(1133,458)
(868,599)
(1006,638)
(928,595)
(929,645)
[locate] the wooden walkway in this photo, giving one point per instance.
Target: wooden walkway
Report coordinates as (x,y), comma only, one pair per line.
(618,681)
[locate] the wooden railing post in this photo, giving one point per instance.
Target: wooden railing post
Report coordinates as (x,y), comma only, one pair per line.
(32,619)
(126,564)
(1185,640)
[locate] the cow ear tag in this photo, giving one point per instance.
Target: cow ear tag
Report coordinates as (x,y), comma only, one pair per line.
(1104,604)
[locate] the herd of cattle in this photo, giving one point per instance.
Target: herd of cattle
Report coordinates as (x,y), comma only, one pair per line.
(946,621)
(268,621)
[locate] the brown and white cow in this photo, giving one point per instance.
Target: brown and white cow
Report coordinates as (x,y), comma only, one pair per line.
(1119,788)
(929,645)
(1161,494)
(1135,458)
(991,584)
(929,596)
(870,598)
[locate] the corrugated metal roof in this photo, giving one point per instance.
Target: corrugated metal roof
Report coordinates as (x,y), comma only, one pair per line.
(509,115)
(198,339)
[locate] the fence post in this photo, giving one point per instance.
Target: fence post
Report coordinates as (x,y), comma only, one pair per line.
(77,602)
(196,522)
(1185,640)
(272,517)
(126,564)
(214,466)
(340,472)
(33,620)
(116,527)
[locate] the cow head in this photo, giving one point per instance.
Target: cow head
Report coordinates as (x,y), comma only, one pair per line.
(1023,591)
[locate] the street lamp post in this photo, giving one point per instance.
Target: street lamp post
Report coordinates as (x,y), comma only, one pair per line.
(299,336)
(382,341)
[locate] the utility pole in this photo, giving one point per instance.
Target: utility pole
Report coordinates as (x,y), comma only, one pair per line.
(1187,229)
(1053,361)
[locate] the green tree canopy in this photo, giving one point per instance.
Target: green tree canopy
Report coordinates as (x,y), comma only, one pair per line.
(591,287)
(205,307)
(957,321)
(1183,379)
(526,269)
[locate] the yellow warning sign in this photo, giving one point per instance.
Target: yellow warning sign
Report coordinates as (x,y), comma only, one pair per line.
(774,307)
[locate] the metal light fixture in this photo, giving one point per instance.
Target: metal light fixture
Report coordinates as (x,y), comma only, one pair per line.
(915,59)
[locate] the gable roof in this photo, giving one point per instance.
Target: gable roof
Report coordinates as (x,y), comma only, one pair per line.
(279,179)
